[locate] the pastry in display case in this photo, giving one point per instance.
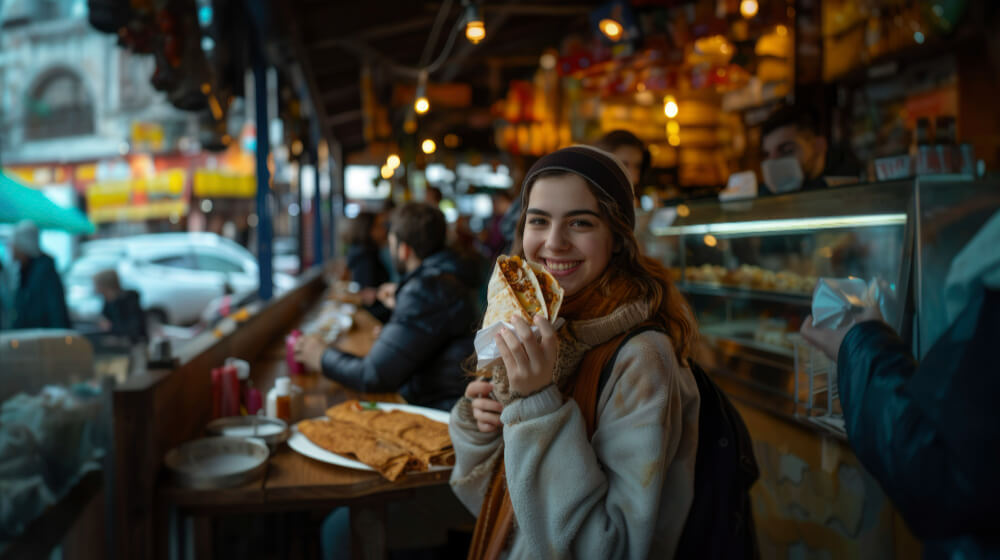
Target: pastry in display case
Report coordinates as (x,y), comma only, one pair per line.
(749,267)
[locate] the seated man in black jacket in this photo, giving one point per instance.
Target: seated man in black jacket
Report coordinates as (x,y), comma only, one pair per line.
(419,351)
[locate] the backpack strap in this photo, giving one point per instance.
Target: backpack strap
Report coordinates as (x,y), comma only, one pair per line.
(595,371)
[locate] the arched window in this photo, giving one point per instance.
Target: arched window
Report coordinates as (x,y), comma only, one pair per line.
(59,106)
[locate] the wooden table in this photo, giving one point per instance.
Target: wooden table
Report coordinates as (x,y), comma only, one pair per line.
(295,482)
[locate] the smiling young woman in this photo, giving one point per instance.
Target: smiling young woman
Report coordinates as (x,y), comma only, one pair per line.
(577,458)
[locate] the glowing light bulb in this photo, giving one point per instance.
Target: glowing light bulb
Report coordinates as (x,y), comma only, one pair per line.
(673,128)
(711,241)
(475,31)
(428,146)
(670,108)
(392,161)
(611,28)
(748,8)
(387,172)
(421,105)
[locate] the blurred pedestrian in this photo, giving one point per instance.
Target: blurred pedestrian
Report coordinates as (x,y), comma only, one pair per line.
(121,315)
(40,301)
(929,432)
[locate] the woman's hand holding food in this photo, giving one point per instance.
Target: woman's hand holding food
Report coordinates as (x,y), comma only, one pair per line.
(485,410)
(528,358)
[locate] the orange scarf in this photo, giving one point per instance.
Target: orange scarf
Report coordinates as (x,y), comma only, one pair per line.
(496,516)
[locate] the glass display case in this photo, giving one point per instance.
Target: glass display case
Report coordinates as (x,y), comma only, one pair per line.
(749,268)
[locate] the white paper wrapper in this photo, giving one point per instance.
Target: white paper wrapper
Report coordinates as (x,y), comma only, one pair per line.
(486,346)
(837,300)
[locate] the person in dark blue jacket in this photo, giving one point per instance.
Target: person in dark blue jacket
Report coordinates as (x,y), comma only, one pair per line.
(420,350)
(40,301)
(930,431)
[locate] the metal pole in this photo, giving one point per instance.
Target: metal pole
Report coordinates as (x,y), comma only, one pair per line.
(265,232)
(317,202)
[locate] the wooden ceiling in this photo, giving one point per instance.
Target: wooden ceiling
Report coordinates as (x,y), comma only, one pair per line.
(331,40)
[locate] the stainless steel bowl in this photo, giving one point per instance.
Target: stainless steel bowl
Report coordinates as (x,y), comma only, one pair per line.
(271,430)
(217,462)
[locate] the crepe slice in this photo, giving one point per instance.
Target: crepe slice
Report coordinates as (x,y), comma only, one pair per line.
(344,439)
(513,291)
(426,440)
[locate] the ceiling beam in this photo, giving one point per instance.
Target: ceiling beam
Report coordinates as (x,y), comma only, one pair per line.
(344,118)
(529,10)
(377,32)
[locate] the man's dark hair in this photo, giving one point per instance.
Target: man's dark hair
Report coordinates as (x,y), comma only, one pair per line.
(801,117)
(618,138)
(421,226)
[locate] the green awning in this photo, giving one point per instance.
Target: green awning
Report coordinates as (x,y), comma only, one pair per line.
(18,202)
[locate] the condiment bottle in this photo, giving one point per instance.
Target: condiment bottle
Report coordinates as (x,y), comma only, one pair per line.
(279,399)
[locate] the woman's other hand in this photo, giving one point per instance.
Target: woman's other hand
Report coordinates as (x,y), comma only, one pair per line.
(529,359)
(485,410)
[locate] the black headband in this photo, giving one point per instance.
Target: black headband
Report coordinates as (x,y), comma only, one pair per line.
(598,167)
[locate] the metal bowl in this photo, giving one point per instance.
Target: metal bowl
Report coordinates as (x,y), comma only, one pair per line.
(271,431)
(217,462)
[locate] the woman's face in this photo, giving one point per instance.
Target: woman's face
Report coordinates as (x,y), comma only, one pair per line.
(565,233)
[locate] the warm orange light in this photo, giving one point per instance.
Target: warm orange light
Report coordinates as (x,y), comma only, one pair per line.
(711,241)
(392,161)
(748,8)
(387,172)
(452,140)
(410,126)
(673,128)
(421,105)
(475,31)
(428,146)
(670,108)
(683,211)
(674,140)
(781,30)
(611,28)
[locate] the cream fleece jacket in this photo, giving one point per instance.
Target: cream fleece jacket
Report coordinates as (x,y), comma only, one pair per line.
(624,494)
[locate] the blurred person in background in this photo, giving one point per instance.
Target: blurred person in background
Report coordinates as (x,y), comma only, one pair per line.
(40,300)
(366,234)
(631,151)
(122,315)
(798,157)
(930,431)
(492,235)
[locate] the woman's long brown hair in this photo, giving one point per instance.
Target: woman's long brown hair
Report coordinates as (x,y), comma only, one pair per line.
(650,278)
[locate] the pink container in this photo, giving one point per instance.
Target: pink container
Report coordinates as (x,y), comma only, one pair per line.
(294,367)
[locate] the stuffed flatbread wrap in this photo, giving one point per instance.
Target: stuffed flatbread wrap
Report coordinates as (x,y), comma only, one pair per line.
(519,289)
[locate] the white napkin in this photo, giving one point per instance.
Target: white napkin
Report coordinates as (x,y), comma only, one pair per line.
(486,346)
(837,300)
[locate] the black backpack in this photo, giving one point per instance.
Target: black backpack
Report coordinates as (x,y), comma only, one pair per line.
(720,523)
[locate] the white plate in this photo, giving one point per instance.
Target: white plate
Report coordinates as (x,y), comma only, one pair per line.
(305,446)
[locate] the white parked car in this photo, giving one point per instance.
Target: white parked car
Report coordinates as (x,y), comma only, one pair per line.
(176,274)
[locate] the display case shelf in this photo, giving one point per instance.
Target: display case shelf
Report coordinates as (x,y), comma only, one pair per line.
(745,293)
